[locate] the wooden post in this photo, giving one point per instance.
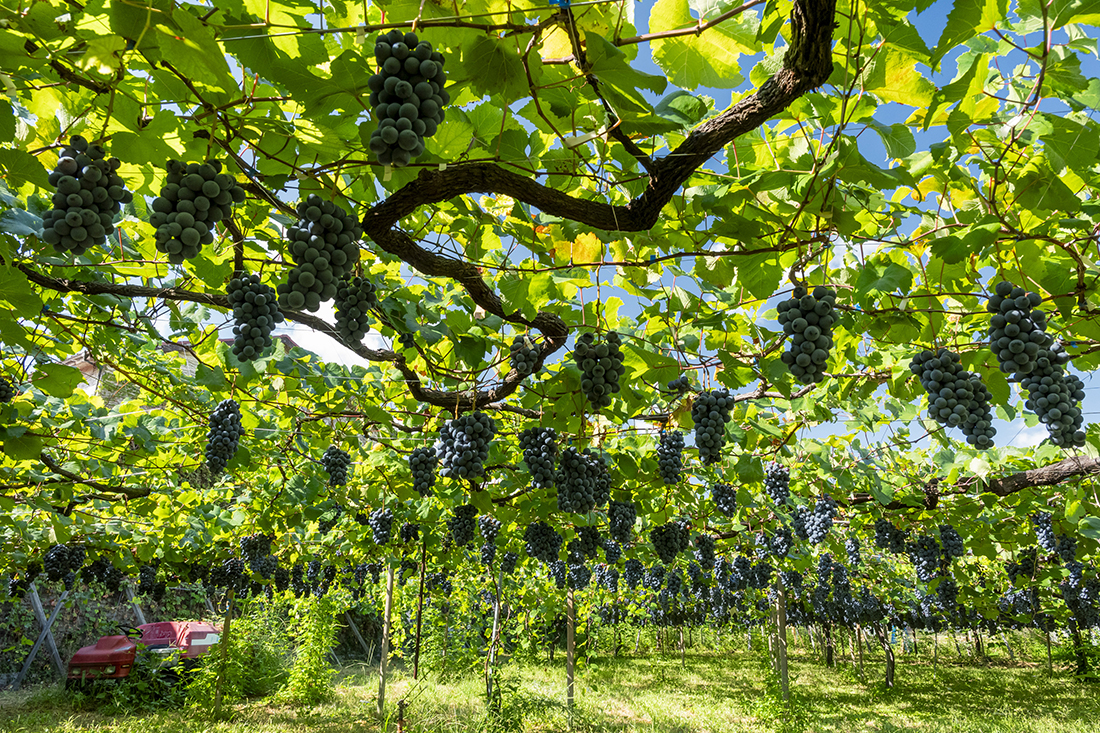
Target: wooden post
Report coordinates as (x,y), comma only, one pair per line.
(420,607)
(569,650)
(859,643)
(1050,659)
(355,630)
(1004,639)
(40,616)
(134,604)
(224,641)
(829,661)
(491,656)
(889,651)
(41,638)
(781,638)
(385,643)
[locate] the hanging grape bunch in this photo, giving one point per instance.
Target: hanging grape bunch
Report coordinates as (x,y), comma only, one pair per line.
(633,570)
(381,524)
(410,533)
(523,354)
(324,246)
(558,570)
(710,412)
(925,556)
(808,319)
(542,542)
(601,365)
(820,521)
(422,464)
(254,548)
(620,517)
(508,562)
(781,542)
(463,445)
(335,462)
(889,537)
(777,482)
(193,199)
(461,525)
(224,436)
(680,385)
(583,481)
(1044,531)
(540,450)
(7,391)
(490,528)
(852,547)
(586,545)
(579,576)
(1018,337)
(704,551)
(952,542)
(956,397)
(62,562)
(725,498)
(667,541)
(256,311)
(670,462)
(612,551)
(407,97)
(89,194)
(354,300)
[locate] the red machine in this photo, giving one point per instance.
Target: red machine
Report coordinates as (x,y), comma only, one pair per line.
(112,657)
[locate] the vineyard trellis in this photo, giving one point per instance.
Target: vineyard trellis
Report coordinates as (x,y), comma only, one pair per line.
(573,251)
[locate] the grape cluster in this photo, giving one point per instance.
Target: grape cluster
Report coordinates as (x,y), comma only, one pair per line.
(670,461)
(89,194)
(725,498)
(7,391)
(381,524)
(224,436)
(777,483)
(540,450)
(579,576)
(508,562)
(354,300)
(194,197)
(102,570)
(925,555)
(587,544)
(704,551)
(1044,531)
(461,524)
(710,412)
(601,365)
(147,579)
(490,527)
(620,517)
(654,577)
(329,519)
(1025,566)
(63,562)
(583,481)
(229,574)
(798,521)
(782,541)
(633,570)
(265,567)
(281,578)
(488,553)
(820,521)
(889,537)
(951,541)
(670,539)
(324,246)
(542,542)
(407,97)
(808,319)
(1066,547)
(335,462)
(523,354)
(956,397)
(607,577)
(852,547)
(761,546)
(612,551)
(1055,397)
(254,548)
(256,311)
(410,533)
(463,445)
(422,464)
(558,571)
(680,384)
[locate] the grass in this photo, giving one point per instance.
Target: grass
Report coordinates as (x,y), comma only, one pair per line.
(707,693)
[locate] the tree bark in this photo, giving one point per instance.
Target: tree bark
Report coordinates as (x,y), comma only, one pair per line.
(781,639)
(420,607)
(569,650)
(889,651)
(829,660)
(382,665)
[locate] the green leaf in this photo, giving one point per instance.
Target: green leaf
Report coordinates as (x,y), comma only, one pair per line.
(493,66)
(897,138)
(16,290)
(23,448)
(967,17)
(1089,527)
(57,380)
(610,65)
(893,77)
(193,52)
(21,168)
(683,108)
(711,59)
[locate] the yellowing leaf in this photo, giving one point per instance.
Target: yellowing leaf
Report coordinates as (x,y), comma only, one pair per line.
(893,77)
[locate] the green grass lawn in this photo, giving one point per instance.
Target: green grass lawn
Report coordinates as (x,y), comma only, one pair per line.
(707,693)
